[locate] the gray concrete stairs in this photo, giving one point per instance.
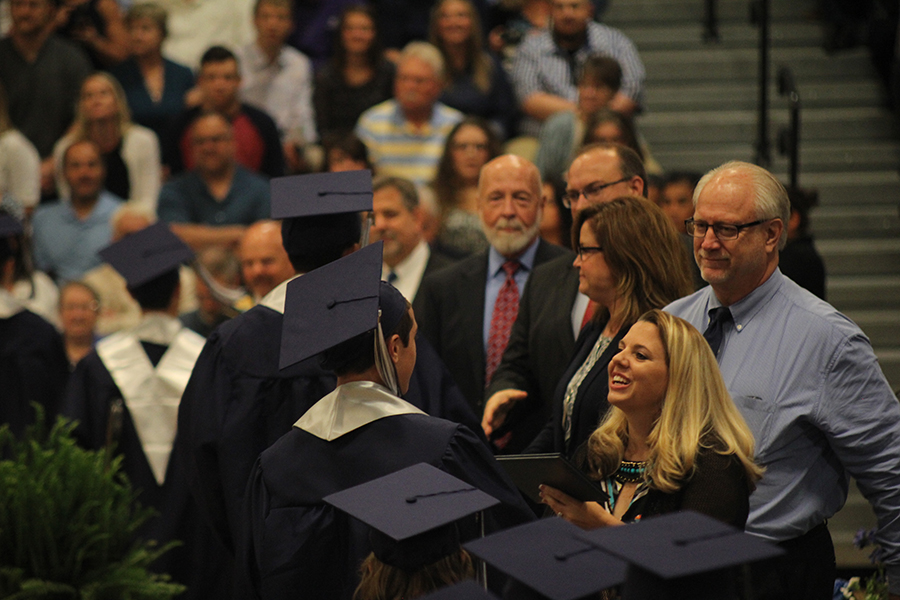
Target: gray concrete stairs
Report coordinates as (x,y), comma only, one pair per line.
(701,103)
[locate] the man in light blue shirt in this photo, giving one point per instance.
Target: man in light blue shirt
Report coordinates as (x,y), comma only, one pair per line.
(68,234)
(805,378)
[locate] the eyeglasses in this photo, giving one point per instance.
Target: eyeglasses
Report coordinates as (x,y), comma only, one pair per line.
(591,192)
(723,231)
(585,251)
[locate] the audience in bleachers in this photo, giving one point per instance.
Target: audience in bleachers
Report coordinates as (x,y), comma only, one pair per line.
(20,164)
(130,152)
(155,86)
(405,135)
(41,73)
(212,203)
(79,308)
(69,233)
(357,76)
(279,79)
(95,25)
(477,84)
(256,135)
(470,145)
(546,65)
(563,133)
(223,268)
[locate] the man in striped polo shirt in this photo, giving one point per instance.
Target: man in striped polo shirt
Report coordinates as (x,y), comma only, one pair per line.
(405,135)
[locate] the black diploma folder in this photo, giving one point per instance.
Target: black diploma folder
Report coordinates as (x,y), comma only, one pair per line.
(528,471)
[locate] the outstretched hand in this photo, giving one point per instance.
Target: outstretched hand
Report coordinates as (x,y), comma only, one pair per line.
(497,407)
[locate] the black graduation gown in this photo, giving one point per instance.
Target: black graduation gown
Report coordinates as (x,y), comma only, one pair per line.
(238,403)
(33,368)
(200,563)
(301,548)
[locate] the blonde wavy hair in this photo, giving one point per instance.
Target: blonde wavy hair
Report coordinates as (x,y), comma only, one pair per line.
(79,128)
(697,412)
(384,582)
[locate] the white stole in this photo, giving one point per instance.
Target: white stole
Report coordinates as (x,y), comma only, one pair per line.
(351,406)
(152,394)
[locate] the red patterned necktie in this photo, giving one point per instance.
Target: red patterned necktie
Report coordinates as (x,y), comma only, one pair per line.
(505,310)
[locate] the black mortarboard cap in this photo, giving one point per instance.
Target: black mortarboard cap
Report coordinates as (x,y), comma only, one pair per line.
(9,225)
(467,590)
(412,513)
(335,303)
(147,254)
(321,194)
(681,555)
(550,557)
(320,211)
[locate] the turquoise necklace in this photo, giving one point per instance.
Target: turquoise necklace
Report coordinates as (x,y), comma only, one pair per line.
(630,471)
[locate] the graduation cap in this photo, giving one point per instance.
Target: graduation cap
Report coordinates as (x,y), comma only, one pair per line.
(146,254)
(412,513)
(9,225)
(467,590)
(321,194)
(335,303)
(320,210)
(549,557)
(681,555)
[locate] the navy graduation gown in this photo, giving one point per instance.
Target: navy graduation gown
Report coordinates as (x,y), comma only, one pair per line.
(300,548)
(33,368)
(238,403)
(201,562)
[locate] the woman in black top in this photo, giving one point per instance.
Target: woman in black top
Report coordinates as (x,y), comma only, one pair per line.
(357,77)
(672,440)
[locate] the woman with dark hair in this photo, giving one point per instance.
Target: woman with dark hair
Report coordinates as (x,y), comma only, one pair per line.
(611,127)
(470,145)
(346,153)
(155,87)
(357,77)
(630,260)
(476,83)
(672,440)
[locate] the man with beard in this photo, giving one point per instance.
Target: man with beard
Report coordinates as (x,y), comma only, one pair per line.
(547,65)
(467,310)
(399,222)
(264,261)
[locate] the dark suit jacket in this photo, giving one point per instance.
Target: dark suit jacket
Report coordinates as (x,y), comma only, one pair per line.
(437,260)
(540,348)
(452,318)
(590,401)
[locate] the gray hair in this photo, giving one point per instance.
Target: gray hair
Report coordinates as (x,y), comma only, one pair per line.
(428,54)
(770,198)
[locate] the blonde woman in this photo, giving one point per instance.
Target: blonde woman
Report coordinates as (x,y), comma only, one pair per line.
(130,152)
(672,440)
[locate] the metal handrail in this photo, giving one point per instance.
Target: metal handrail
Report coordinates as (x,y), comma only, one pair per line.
(710,21)
(759,16)
(789,137)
